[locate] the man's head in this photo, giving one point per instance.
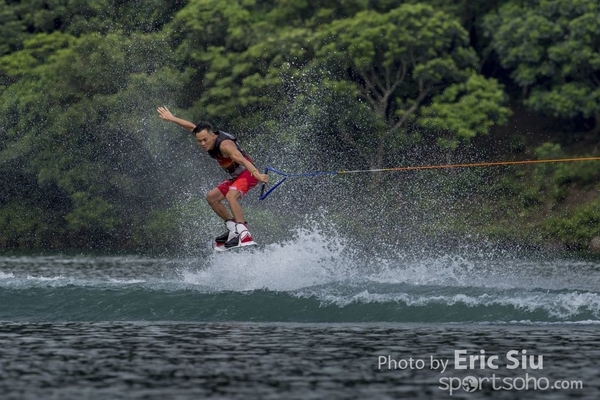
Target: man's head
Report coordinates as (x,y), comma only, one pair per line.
(204,135)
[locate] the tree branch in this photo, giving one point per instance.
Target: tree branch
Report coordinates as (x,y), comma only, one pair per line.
(388,80)
(370,86)
(422,93)
(413,59)
(400,76)
(366,93)
(377,81)
(391,86)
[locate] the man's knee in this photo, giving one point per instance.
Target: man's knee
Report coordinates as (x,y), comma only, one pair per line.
(232,195)
(213,197)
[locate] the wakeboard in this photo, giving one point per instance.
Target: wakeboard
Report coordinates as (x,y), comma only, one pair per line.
(220,247)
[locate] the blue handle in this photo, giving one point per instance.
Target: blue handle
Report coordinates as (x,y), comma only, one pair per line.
(264,195)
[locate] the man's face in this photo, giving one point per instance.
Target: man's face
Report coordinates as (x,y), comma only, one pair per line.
(206,139)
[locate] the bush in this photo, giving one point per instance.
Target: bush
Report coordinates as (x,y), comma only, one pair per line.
(576,229)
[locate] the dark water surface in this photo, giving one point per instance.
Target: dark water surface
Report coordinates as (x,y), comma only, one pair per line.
(300,320)
(116,360)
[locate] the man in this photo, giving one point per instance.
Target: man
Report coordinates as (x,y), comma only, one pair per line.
(224,148)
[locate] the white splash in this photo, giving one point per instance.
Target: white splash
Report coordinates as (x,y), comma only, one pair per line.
(313,258)
(304,261)
(9,275)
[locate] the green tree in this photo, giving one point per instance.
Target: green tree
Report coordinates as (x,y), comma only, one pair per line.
(402,60)
(465,110)
(238,56)
(78,81)
(78,17)
(551,47)
(11,29)
(247,56)
(75,130)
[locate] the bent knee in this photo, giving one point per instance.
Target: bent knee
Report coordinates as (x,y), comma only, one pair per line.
(214,197)
(232,195)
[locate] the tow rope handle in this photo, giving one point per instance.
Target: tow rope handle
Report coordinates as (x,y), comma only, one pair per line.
(268,169)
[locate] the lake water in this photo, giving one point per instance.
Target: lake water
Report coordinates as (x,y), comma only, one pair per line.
(300,320)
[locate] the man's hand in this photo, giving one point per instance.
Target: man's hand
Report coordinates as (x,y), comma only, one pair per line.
(165,114)
(264,178)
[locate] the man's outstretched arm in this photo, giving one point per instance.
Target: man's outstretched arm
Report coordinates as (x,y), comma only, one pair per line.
(166,115)
(229,149)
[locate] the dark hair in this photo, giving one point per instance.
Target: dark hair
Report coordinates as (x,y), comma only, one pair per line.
(202,126)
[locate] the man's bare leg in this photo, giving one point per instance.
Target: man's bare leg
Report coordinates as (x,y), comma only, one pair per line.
(233,197)
(214,199)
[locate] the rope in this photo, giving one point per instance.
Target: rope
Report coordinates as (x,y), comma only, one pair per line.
(483,164)
(264,195)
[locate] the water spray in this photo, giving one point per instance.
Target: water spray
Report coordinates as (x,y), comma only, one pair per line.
(264,195)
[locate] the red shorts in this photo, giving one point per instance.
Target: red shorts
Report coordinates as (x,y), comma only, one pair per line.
(243,183)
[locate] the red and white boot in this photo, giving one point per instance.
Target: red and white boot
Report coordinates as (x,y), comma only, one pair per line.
(227,236)
(242,237)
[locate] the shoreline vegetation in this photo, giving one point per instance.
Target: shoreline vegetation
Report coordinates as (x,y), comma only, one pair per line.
(315,85)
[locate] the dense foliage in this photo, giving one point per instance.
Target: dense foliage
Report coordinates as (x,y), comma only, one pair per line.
(307,84)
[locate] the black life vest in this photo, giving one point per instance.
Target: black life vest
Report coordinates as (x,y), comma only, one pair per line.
(233,168)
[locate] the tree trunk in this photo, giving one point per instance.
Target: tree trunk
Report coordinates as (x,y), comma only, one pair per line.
(377,163)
